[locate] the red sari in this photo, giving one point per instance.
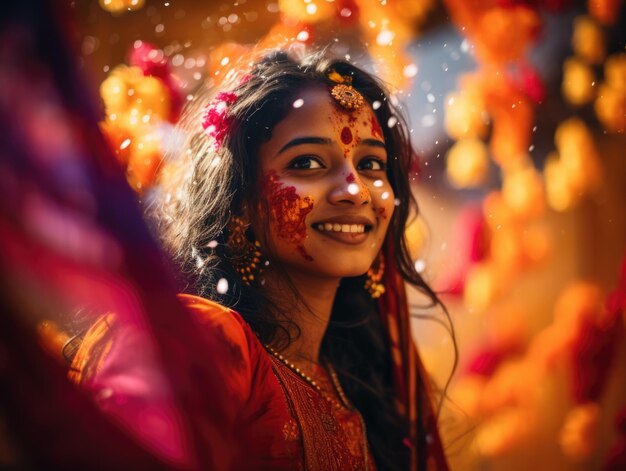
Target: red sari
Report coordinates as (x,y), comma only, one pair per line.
(283,422)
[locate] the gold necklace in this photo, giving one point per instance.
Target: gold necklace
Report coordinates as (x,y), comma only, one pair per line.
(333,376)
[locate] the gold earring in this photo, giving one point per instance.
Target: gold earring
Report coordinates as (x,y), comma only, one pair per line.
(374,277)
(245,255)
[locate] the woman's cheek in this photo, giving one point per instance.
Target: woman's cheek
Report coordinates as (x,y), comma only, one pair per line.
(384,202)
(288,212)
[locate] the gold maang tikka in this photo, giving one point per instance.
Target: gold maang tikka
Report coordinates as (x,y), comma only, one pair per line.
(245,255)
(343,92)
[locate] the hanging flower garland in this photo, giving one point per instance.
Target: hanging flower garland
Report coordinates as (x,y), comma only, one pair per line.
(497,102)
(499,388)
(138,98)
(118,7)
(385,27)
(582,73)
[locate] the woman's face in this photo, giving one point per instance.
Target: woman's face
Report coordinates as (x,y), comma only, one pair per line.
(324,180)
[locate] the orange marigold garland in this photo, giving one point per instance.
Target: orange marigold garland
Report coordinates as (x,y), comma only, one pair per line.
(138,99)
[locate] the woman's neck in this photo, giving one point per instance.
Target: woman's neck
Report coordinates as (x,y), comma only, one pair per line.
(309,308)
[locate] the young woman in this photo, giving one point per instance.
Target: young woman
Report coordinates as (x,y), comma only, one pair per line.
(289,223)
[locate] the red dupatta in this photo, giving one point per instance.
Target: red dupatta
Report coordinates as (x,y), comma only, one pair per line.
(72,235)
(411,384)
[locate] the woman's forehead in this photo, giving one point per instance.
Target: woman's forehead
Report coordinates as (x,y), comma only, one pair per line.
(314,110)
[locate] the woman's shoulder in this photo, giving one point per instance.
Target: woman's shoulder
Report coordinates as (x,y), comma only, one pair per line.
(239,344)
(242,349)
(211,314)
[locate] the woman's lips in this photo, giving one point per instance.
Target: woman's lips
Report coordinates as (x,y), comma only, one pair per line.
(343,231)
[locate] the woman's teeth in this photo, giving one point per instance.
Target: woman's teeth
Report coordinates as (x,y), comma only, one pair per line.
(356,228)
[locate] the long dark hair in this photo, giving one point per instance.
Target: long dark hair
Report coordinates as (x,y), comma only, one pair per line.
(218,183)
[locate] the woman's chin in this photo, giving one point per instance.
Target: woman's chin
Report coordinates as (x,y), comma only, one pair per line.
(338,271)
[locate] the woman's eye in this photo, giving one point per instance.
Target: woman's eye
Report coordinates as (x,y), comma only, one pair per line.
(305,163)
(372,163)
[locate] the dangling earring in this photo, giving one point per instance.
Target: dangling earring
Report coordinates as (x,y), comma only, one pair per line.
(245,255)
(373,278)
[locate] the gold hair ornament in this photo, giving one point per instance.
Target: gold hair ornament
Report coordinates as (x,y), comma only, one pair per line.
(343,92)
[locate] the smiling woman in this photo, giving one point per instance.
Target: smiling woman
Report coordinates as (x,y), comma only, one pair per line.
(288,219)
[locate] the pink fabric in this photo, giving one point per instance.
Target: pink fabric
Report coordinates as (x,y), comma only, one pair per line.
(129,386)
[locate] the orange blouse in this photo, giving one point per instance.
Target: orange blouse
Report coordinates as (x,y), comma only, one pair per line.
(282,423)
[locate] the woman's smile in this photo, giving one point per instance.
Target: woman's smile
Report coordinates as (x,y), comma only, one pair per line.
(344,235)
(348,229)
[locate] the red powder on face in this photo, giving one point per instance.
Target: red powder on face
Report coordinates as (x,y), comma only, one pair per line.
(346,135)
(288,210)
(375,127)
(365,194)
(350,178)
(382,213)
(302,251)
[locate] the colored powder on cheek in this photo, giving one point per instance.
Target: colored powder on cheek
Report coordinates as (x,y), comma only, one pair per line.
(289,211)
(350,178)
(365,194)
(303,252)
(382,213)
(346,135)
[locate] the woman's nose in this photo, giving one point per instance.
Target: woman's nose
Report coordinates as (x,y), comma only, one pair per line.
(350,189)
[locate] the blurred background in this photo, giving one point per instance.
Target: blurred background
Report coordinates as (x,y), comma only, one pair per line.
(517,111)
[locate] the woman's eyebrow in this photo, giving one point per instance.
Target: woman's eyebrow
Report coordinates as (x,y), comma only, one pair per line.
(373,143)
(305,140)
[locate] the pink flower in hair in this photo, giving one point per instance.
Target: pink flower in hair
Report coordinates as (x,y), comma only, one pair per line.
(215,122)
